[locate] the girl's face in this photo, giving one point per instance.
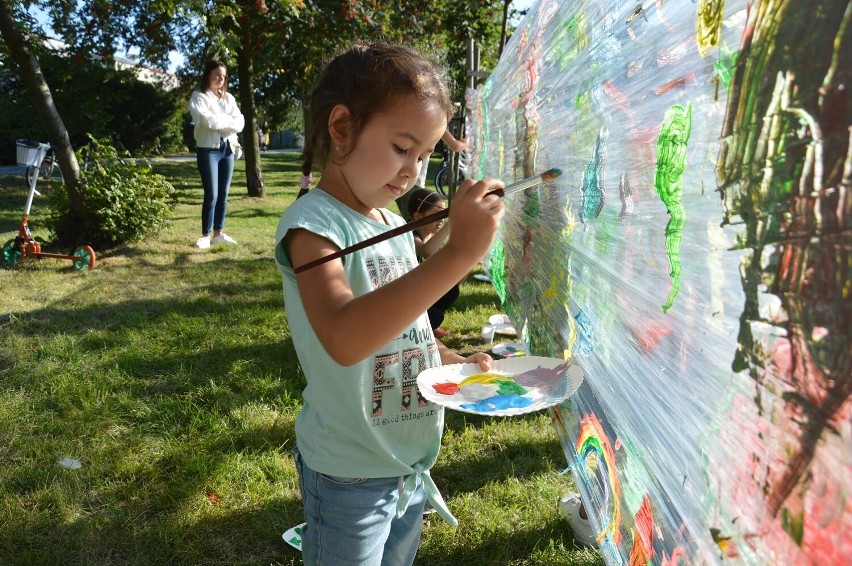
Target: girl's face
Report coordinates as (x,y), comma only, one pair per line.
(218,78)
(387,155)
(432,227)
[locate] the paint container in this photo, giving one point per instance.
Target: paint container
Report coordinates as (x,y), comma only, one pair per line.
(488,334)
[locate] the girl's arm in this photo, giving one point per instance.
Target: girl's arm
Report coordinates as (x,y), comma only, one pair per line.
(428,247)
(203,113)
(351,328)
(449,357)
(238,121)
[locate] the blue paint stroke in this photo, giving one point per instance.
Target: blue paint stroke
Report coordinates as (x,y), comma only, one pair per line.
(586,327)
(592,189)
(498,403)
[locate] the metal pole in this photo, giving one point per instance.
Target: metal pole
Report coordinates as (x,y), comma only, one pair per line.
(503,30)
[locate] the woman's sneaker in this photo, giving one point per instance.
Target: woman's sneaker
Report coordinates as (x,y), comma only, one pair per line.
(203,242)
(223,239)
(584,533)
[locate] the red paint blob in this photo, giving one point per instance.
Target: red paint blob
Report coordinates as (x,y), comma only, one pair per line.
(446,388)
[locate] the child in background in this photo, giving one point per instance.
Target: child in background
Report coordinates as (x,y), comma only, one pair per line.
(428,239)
(365,438)
(454,144)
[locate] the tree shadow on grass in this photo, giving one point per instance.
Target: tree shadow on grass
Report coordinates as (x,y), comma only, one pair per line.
(224,533)
(525,459)
(138,374)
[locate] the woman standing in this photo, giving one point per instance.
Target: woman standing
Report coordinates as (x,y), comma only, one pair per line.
(217,121)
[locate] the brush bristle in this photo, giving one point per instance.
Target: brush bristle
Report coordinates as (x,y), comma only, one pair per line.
(551,174)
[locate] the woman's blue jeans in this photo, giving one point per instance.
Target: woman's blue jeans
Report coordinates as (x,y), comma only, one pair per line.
(216,167)
(352,521)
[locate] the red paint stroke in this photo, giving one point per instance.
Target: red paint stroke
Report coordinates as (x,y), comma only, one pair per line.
(637,554)
(618,96)
(650,335)
(448,388)
(688,78)
(646,136)
(644,523)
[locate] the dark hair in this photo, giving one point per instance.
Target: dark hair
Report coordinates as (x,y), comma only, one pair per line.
(368,79)
(209,67)
(423,198)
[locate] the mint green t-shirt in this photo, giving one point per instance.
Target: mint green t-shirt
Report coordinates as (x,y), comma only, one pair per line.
(367,420)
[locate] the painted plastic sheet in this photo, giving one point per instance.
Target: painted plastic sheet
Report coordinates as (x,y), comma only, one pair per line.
(693,259)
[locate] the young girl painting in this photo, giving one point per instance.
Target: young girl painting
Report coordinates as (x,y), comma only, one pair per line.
(366,438)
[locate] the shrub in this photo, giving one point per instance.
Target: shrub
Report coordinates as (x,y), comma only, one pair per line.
(125,200)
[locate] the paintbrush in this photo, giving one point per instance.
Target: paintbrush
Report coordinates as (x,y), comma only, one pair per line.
(528,183)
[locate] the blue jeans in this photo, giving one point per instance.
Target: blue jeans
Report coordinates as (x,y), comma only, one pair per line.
(216,167)
(352,521)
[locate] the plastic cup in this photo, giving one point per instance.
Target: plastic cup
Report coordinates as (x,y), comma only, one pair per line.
(488,334)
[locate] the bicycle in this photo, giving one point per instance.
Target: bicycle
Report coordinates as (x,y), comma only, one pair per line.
(46,168)
(445,179)
(453,164)
(31,155)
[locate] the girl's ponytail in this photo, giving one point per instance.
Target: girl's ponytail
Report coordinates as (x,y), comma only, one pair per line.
(307,164)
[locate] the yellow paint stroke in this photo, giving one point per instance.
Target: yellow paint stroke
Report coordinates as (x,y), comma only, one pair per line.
(484,379)
(708,24)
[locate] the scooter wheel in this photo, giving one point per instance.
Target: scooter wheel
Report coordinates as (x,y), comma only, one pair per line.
(86,257)
(11,253)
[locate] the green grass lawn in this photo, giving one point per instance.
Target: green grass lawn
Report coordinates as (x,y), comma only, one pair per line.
(169,374)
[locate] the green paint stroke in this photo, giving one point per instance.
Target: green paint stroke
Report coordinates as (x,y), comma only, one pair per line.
(501,153)
(486,128)
(668,179)
(725,66)
(532,206)
(571,39)
(497,269)
(510,388)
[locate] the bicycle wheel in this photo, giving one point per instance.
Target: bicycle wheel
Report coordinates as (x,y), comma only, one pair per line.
(442,180)
(45,171)
(11,253)
(86,255)
(50,169)
(31,173)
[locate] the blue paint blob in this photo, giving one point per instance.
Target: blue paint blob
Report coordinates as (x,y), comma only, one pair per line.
(498,403)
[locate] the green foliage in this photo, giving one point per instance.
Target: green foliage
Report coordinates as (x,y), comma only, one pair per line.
(91,98)
(125,200)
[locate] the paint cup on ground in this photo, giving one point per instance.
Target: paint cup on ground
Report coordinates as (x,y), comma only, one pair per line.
(488,334)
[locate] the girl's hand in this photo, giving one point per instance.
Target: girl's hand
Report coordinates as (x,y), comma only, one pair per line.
(475,218)
(481,358)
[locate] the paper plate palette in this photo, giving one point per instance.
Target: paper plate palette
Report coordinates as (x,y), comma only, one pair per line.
(513,386)
(293,536)
(509,349)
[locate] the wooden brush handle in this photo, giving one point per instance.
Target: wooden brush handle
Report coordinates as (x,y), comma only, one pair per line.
(440,215)
(376,239)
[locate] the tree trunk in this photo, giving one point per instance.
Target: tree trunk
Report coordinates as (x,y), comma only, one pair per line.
(251,147)
(42,98)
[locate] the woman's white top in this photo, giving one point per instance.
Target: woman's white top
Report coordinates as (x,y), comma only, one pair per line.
(215,119)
